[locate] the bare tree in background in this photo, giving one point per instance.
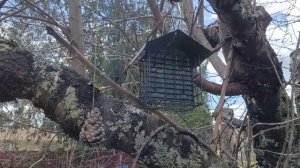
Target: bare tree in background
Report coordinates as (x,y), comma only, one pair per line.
(76,35)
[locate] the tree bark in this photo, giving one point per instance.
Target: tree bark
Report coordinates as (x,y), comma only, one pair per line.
(76,34)
(295,56)
(187,8)
(257,67)
(157,16)
(67,98)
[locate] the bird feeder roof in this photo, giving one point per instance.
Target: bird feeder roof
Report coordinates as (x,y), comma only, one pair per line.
(176,40)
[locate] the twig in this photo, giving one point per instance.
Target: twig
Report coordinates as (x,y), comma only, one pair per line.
(40,11)
(91,66)
(2,3)
(144,17)
(269,129)
(276,124)
(291,127)
(194,20)
(24,16)
(235,152)
(277,153)
(220,105)
(13,13)
(28,125)
(38,161)
(228,154)
(44,153)
(117,52)
(147,39)
(138,153)
(249,143)
(121,30)
(158,23)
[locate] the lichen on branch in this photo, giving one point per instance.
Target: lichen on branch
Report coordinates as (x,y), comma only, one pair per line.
(67,98)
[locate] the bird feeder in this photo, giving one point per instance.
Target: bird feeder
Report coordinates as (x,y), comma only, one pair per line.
(166,71)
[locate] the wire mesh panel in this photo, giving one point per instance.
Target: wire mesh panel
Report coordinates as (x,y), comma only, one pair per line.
(167,80)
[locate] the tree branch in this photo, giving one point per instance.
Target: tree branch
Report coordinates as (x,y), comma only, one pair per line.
(157,17)
(233,89)
(66,98)
(218,111)
(2,3)
(187,7)
(259,69)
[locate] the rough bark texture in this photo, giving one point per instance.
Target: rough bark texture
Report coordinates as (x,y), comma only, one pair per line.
(257,67)
(295,73)
(67,99)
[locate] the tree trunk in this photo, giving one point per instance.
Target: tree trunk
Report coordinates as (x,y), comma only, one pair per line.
(76,35)
(187,8)
(257,67)
(157,17)
(67,98)
(295,56)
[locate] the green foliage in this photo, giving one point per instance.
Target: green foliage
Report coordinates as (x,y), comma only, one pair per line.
(195,119)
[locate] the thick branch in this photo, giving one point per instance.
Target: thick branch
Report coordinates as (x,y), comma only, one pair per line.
(67,99)
(157,16)
(295,69)
(233,89)
(187,7)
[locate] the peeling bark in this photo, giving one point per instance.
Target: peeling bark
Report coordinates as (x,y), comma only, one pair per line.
(67,98)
